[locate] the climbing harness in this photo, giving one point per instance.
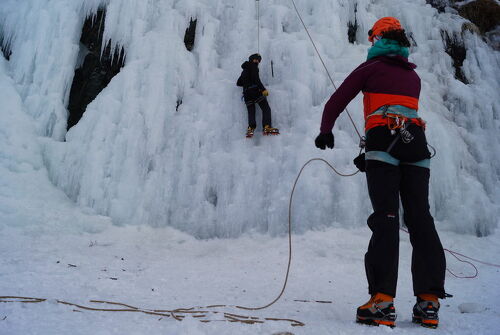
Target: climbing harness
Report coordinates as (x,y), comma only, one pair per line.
(398,119)
(396,116)
(254,101)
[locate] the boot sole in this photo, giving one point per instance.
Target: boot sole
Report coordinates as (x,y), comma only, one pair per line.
(374,322)
(426,322)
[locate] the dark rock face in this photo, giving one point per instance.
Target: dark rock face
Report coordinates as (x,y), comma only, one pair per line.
(352,28)
(440,5)
(5,46)
(6,53)
(413,43)
(454,46)
(190,35)
(493,38)
(98,68)
(485,14)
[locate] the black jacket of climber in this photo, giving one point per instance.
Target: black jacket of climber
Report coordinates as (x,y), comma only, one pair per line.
(250,81)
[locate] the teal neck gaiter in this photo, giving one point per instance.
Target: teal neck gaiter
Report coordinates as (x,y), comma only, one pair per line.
(387,47)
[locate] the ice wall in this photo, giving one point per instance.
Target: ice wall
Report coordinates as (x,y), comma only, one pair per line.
(136,157)
(43,37)
(27,198)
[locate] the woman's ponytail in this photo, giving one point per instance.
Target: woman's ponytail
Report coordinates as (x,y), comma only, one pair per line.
(397,35)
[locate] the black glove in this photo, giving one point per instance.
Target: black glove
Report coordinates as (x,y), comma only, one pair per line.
(324,140)
(360,162)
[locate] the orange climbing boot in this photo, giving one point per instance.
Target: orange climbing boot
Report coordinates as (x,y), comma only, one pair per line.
(250,132)
(379,310)
(425,311)
(268,130)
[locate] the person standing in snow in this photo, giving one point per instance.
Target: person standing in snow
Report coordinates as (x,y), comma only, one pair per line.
(254,93)
(397,164)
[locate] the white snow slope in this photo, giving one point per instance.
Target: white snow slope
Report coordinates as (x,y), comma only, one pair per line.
(134,160)
(161,268)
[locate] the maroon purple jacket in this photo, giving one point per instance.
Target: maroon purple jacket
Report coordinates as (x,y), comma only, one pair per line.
(384,80)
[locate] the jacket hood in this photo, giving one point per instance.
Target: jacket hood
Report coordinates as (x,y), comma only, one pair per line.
(397,61)
(247,64)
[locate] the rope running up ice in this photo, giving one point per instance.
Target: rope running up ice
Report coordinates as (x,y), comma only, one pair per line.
(324,65)
(258,25)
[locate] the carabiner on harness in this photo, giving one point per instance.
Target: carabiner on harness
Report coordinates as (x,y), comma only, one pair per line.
(406,136)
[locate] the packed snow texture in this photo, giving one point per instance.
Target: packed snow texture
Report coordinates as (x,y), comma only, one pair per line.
(162,268)
(136,159)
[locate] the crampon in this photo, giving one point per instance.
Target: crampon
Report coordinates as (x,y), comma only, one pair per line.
(379,310)
(250,132)
(425,313)
(268,130)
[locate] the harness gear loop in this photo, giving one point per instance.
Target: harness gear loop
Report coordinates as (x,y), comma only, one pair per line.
(362,143)
(397,117)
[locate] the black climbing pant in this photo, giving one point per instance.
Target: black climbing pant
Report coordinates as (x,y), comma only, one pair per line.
(266,113)
(386,184)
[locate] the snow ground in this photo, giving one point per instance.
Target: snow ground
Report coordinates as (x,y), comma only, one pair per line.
(161,268)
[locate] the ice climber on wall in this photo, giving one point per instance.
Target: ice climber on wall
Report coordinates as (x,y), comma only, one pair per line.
(254,93)
(397,164)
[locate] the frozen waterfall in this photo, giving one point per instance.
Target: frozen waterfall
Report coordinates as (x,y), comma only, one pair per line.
(163,144)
